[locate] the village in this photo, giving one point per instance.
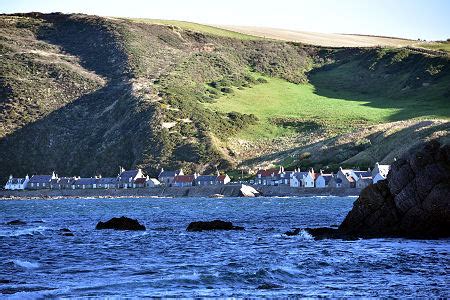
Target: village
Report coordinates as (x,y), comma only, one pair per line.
(132,179)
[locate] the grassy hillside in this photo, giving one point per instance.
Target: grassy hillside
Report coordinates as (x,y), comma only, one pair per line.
(439,46)
(204,29)
(83,95)
(284,108)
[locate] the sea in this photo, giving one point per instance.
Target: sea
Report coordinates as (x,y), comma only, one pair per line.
(36,261)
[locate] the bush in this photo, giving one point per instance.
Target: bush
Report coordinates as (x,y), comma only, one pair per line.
(214,84)
(226,90)
(261,80)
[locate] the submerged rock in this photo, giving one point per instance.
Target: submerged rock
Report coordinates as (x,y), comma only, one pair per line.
(269,286)
(122,223)
(296,231)
(413,202)
(16,222)
(66,232)
(321,233)
(212,225)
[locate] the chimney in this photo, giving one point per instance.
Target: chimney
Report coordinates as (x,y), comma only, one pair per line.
(10,177)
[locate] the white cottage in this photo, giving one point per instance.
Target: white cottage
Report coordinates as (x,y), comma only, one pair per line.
(323,180)
(16,183)
(303,179)
(380,172)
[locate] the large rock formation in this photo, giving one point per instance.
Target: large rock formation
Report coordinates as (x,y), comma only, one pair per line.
(414,200)
(122,223)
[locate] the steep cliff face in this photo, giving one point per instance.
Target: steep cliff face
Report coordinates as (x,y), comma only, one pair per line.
(82,95)
(413,201)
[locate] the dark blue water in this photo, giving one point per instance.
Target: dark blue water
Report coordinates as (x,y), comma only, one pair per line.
(165,260)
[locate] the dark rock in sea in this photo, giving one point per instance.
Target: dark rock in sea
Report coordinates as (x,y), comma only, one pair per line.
(66,232)
(212,225)
(122,223)
(296,231)
(321,233)
(269,286)
(413,202)
(5,281)
(16,222)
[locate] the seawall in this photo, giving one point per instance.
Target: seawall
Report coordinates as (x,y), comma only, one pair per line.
(175,192)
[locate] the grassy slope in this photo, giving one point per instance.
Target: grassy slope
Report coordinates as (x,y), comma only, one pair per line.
(298,102)
(205,29)
(440,46)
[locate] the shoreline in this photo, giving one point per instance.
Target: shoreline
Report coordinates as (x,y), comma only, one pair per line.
(176,192)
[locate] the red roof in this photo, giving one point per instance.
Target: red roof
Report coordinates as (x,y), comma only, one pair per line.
(267,173)
(140,180)
(184,178)
(221,177)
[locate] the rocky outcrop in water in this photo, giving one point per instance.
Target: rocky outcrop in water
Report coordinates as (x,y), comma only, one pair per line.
(293,232)
(16,222)
(212,225)
(269,286)
(122,223)
(413,202)
(66,232)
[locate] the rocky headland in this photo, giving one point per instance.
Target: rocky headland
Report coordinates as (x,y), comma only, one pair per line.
(413,202)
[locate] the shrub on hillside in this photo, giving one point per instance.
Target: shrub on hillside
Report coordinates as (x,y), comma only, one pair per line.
(226,90)
(261,80)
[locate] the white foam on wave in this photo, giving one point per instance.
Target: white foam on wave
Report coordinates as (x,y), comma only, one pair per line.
(27,231)
(304,234)
(140,234)
(194,276)
(26,264)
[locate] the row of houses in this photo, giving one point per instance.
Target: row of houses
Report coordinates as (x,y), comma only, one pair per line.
(178,179)
(124,180)
(344,178)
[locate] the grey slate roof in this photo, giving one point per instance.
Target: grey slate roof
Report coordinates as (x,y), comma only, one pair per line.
(326,177)
(363,173)
(206,178)
(40,179)
(66,180)
(126,175)
(107,180)
(17,180)
(86,181)
(168,173)
(299,175)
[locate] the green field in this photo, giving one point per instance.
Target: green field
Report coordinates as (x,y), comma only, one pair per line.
(297,103)
(441,46)
(199,28)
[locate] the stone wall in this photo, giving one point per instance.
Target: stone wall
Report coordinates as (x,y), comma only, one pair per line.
(196,191)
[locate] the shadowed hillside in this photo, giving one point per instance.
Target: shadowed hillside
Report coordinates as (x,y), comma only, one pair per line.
(83,95)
